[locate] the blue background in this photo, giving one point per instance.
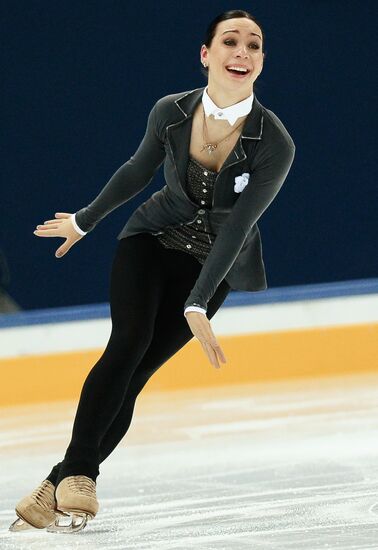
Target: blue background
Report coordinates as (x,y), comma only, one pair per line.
(79,79)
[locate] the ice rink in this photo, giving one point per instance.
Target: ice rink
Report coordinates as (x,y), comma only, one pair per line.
(283,465)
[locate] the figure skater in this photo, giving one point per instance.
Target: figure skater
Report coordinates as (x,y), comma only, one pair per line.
(225,158)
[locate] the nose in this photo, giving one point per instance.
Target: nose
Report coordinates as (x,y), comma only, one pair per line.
(242,50)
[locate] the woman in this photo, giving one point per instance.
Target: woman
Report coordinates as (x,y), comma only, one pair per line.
(225,158)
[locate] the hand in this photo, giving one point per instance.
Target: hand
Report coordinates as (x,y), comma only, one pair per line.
(61,227)
(200,326)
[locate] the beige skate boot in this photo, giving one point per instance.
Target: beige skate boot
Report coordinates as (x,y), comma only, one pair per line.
(76,496)
(36,510)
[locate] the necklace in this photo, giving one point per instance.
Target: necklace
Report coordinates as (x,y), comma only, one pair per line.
(210,147)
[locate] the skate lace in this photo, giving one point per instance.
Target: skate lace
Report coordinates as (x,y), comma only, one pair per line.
(83,485)
(44,494)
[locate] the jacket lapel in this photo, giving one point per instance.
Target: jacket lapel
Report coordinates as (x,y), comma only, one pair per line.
(179,133)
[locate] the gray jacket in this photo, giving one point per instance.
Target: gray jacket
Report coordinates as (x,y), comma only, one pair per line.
(264,150)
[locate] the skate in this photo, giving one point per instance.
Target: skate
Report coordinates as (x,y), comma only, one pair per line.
(76,497)
(37,510)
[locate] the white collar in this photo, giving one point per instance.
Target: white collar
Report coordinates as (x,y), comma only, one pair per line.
(231,113)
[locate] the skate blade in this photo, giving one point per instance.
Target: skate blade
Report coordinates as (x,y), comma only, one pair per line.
(78,522)
(20,525)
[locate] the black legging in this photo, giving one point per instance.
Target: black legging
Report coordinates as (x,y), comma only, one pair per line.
(148,288)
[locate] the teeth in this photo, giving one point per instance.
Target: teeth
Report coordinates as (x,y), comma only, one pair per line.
(238,69)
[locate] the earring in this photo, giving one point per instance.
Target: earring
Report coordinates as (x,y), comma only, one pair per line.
(204,64)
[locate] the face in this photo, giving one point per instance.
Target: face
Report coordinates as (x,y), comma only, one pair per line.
(238,48)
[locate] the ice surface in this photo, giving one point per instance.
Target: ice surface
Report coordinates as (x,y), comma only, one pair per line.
(281,466)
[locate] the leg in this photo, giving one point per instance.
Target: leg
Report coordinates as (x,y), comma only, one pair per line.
(171,333)
(137,282)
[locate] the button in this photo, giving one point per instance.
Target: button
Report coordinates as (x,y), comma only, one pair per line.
(204,190)
(194,237)
(188,246)
(199,221)
(203,202)
(201,211)
(205,173)
(203,183)
(220,113)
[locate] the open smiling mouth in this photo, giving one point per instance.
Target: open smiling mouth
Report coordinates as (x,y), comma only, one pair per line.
(238,73)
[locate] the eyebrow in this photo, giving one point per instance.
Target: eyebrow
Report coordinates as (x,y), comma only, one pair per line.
(235,30)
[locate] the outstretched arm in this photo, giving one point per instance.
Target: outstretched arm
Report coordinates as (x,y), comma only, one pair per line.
(131,178)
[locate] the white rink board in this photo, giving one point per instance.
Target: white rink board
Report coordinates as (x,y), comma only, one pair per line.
(263,318)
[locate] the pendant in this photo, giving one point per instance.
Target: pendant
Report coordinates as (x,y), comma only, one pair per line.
(210,147)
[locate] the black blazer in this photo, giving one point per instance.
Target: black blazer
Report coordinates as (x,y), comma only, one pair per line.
(264,150)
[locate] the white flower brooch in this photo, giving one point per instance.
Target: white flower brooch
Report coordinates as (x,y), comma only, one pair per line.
(241,182)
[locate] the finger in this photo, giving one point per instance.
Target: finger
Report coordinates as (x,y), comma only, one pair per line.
(53,221)
(212,355)
(211,338)
(46,233)
(62,215)
(62,250)
(219,351)
(48,226)
(216,349)
(208,354)
(202,342)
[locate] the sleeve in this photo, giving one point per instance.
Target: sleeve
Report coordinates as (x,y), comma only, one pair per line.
(76,227)
(131,178)
(195,308)
(265,182)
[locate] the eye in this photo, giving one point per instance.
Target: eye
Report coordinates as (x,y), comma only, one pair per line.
(232,41)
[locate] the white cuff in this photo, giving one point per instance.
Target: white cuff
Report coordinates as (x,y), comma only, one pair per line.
(195,308)
(77,228)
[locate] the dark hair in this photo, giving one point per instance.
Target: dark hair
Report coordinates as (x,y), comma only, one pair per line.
(211,29)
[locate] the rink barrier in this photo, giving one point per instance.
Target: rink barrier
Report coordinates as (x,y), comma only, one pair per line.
(279,333)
